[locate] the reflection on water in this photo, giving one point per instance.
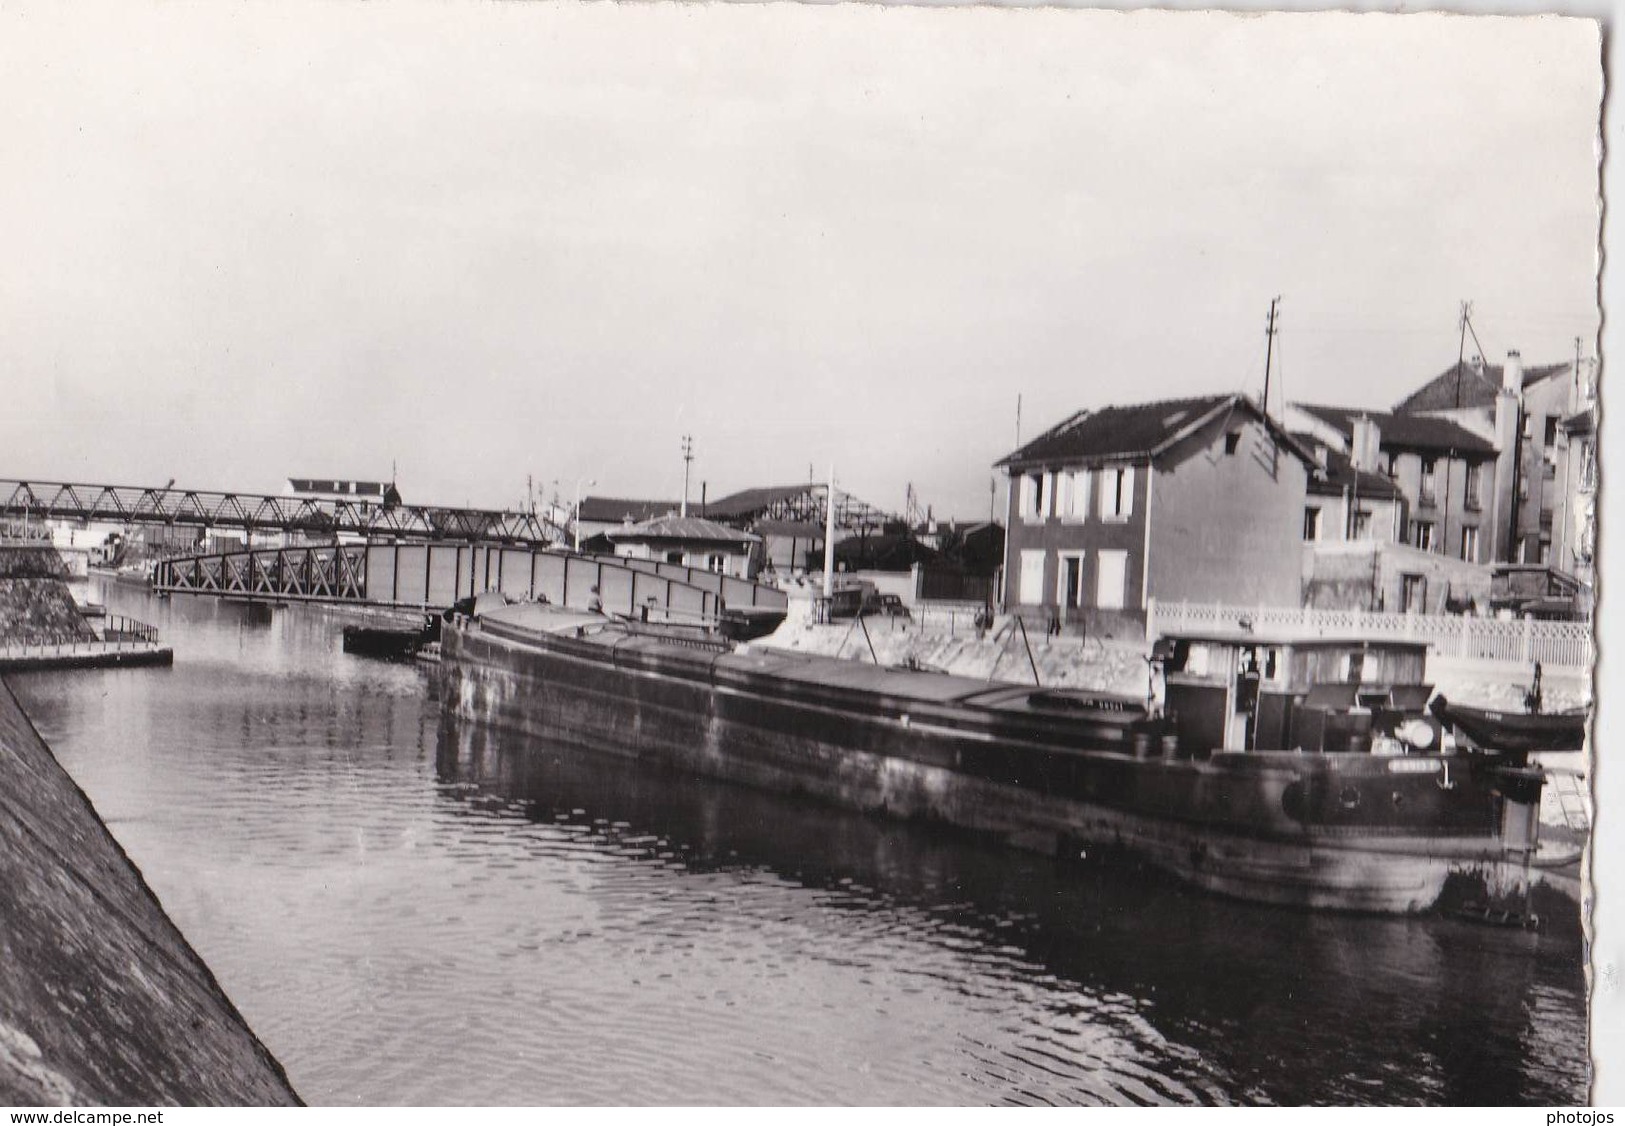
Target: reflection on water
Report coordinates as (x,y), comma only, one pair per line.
(408,909)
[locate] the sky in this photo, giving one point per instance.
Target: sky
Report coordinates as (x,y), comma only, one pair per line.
(477,242)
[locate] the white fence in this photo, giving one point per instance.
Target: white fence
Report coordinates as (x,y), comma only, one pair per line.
(1559,644)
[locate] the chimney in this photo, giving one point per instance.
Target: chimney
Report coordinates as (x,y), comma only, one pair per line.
(1512,374)
(1365,444)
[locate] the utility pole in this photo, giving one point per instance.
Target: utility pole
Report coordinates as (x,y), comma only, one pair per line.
(1269,353)
(1461,346)
(688,456)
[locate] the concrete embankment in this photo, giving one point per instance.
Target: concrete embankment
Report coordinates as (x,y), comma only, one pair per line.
(43,627)
(35,603)
(102,1001)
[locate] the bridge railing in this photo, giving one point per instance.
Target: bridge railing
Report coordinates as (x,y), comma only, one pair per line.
(735,592)
(135,504)
(427,575)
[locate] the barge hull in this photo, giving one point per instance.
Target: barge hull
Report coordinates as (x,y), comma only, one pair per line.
(723,732)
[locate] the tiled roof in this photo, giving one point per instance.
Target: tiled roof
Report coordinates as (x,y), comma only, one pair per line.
(1341,474)
(1134,431)
(1471,385)
(618,510)
(1405,431)
(681,528)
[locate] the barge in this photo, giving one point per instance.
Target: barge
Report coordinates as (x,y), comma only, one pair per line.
(1364,806)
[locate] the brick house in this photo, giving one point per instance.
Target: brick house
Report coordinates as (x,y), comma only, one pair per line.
(1190,499)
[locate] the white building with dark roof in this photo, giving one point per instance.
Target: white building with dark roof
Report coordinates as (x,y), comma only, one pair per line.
(690,540)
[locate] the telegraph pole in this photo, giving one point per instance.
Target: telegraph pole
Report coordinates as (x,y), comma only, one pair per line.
(1269,353)
(688,456)
(1461,346)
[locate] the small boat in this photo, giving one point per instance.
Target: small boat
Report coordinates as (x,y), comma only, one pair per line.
(392,644)
(1517,733)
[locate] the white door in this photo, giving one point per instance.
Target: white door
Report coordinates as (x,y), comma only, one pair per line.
(1032,578)
(1113,570)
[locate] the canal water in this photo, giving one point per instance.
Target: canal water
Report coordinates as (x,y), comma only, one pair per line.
(411,911)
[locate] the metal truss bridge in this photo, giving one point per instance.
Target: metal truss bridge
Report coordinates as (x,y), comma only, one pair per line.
(133,504)
(435,575)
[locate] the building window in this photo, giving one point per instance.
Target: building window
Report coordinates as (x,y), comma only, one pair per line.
(1032,578)
(1069,580)
(1112,586)
(1551,430)
(1413,593)
(1545,551)
(1362,525)
(1422,534)
(1034,501)
(1469,544)
(1073,495)
(1588,465)
(1390,465)
(1311,525)
(717,563)
(1232,441)
(674,557)
(1117,493)
(1429,465)
(1473,486)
